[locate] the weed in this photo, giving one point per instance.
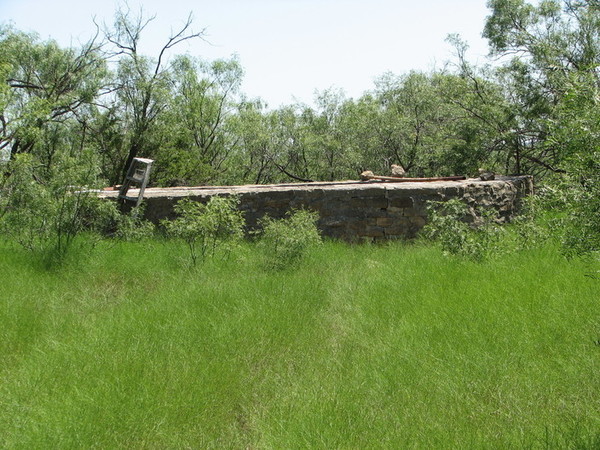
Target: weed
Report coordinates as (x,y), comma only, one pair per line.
(285,241)
(206,227)
(447,226)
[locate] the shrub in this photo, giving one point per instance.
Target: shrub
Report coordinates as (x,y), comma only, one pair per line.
(206,227)
(286,241)
(532,228)
(578,197)
(132,226)
(45,215)
(447,225)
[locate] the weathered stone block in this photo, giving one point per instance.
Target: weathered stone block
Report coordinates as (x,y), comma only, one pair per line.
(379,202)
(418,221)
(417,211)
(333,223)
(397,230)
(372,232)
(395,212)
(401,202)
(385,221)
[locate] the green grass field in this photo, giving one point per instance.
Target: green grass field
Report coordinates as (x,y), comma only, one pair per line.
(363,346)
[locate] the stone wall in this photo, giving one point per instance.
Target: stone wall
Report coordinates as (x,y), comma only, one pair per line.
(354,210)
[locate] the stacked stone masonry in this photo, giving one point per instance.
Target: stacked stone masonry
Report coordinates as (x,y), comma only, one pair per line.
(354,210)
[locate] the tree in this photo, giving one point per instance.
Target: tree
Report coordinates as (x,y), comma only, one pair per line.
(482,121)
(329,138)
(45,86)
(362,123)
(252,157)
(46,216)
(143,84)
(412,122)
(206,227)
(203,100)
(555,73)
(575,132)
(548,43)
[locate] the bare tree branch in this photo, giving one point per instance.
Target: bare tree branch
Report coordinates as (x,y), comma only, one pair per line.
(178,38)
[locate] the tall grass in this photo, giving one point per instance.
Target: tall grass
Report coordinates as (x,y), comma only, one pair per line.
(365,346)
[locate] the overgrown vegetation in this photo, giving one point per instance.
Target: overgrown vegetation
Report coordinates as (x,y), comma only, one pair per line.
(131,226)
(495,344)
(477,233)
(535,111)
(130,350)
(207,227)
(459,231)
(285,241)
(46,215)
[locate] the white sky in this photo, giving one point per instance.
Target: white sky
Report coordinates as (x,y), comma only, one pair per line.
(288,48)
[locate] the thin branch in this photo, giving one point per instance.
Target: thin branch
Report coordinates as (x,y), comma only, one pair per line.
(22,84)
(282,169)
(543,164)
(176,39)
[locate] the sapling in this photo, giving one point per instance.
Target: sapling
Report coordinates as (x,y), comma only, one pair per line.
(286,241)
(206,227)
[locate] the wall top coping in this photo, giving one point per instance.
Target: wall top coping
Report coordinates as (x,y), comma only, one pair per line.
(202,191)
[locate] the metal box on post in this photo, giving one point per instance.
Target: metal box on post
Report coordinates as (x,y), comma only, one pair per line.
(139,174)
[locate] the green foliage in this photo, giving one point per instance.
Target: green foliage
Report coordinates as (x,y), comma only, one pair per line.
(413,120)
(180,167)
(583,224)
(45,216)
(532,228)
(201,104)
(285,241)
(558,45)
(448,226)
(575,134)
(218,224)
(476,234)
(132,226)
(573,202)
(44,85)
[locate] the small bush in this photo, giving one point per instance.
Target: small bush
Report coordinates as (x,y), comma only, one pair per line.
(45,215)
(286,241)
(532,228)
(107,217)
(447,226)
(207,227)
(574,201)
(132,227)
